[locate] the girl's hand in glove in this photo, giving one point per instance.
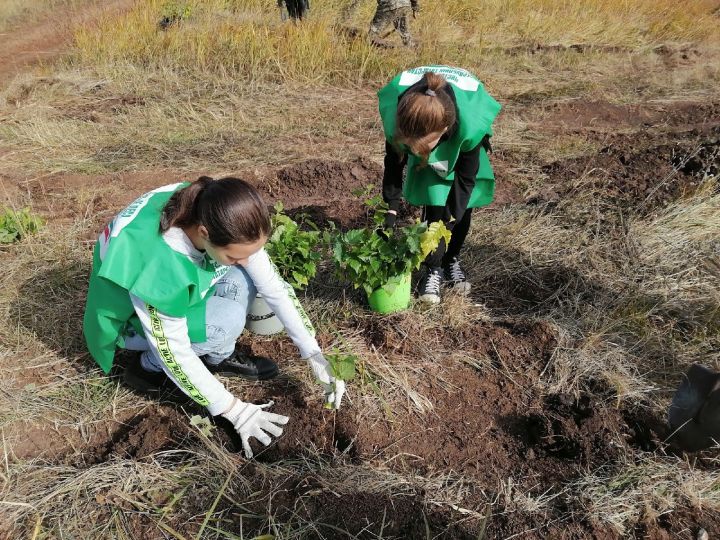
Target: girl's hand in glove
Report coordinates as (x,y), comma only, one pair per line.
(252,421)
(334,388)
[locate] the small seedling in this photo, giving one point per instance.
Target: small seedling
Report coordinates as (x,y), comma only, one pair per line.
(14,224)
(203,424)
(342,365)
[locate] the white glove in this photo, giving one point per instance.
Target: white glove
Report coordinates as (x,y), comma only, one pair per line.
(252,421)
(334,388)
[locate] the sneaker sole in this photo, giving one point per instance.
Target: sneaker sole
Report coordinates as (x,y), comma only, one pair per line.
(429,299)
(461,288)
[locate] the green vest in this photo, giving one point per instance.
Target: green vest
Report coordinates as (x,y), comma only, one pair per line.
(131,256)
(430,185)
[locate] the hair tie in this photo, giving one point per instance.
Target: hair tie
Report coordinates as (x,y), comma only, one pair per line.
(430,93)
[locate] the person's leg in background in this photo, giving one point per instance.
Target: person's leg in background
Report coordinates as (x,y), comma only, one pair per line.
(380,21)
(402,25)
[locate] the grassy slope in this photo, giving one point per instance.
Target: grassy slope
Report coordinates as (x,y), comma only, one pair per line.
(205,97)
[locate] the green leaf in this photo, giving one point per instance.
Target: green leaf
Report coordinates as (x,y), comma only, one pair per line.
(293,249)
(369,262)
(342,365)
(14,225)
(203,424)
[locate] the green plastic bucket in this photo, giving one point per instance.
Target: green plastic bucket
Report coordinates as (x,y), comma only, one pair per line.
(383,301)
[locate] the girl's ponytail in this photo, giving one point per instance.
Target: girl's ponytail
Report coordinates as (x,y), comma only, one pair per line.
(179,210)
(435,83)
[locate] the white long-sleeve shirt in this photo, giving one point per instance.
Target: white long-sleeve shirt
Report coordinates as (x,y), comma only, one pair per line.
(168,336)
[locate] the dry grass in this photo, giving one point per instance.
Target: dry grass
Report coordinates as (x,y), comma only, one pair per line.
(207,493)
(645,490)
(634,300)
(204,96)
(636,306)
(14,12)
(228,36)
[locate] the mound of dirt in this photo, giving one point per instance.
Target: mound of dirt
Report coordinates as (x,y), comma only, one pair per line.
(488,423)
(160,428)
(682,523)
(582,116)
(627,174)
(323,189)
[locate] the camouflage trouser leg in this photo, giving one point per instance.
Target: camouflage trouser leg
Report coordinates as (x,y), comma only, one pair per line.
(402,25)
(380,21)
(398,18)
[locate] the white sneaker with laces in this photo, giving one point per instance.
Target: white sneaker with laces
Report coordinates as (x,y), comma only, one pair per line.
(429,286)
(455,277)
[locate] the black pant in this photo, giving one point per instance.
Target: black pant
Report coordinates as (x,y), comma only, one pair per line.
(297,9)
(444,254)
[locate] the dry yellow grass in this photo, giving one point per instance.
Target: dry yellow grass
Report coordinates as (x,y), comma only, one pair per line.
(222,36)
(204,96)
(13,12)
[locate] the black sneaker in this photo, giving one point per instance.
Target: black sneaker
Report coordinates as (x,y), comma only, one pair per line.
(429,286)
(256,368)
(154,384)
(145,382)
(455,277)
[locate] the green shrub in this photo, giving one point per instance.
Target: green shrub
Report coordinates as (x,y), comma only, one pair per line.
(369,260)
(293,249)
(14,224)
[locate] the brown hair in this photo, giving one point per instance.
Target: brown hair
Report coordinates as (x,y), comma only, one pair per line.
(229,208)
(423,110)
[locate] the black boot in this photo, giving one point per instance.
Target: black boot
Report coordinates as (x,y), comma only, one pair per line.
(154,384)
(256,368)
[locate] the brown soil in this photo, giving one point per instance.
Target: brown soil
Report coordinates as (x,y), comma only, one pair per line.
(160,428)
(134,434)
(321,190)
(632,175)
(580,116)
(487,425)
(681,524)
(671,148)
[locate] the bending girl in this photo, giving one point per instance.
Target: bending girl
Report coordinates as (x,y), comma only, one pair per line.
(173,276)
(437,122)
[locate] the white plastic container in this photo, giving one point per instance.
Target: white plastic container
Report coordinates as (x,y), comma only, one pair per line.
(261,319)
